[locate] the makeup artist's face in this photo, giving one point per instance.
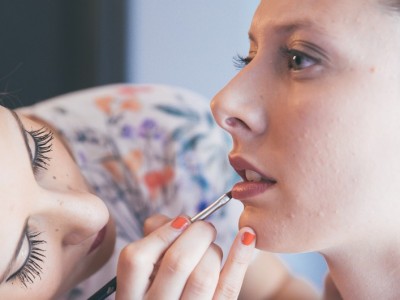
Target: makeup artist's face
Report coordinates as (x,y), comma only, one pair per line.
(49,220)
(316,114)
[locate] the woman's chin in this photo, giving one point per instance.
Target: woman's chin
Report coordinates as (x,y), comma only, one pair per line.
(271,235)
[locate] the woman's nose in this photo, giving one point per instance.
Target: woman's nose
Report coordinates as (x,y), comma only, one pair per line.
(239,107)
(76,215)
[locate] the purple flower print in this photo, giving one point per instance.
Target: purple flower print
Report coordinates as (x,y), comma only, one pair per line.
(127,131)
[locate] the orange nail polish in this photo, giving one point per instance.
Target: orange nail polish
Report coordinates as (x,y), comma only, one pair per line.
(180,223)
(247,238)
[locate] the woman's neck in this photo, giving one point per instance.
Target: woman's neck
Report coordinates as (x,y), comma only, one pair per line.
(369,270)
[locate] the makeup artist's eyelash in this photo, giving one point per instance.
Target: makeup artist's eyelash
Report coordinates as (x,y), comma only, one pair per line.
(31,268)
(239,61)
(43,145)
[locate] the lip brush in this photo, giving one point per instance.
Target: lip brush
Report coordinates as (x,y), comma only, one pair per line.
(111,286)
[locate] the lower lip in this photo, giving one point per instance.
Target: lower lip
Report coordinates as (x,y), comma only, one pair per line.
(244,190)
(98,240)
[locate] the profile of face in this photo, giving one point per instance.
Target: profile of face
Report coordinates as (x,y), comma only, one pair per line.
(51,223)
(314,115)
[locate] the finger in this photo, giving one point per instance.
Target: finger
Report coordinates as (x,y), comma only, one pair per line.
(180,260)
(235,267)
(203,281)
(137,260)
(154,222)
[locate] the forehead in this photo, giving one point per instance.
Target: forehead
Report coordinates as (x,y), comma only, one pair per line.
(14,158)
(14,173)
(323,14)
(15,166)
(315,8)
(10,134)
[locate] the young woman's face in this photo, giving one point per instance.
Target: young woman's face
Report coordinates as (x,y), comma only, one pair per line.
(316,113)
(51,224)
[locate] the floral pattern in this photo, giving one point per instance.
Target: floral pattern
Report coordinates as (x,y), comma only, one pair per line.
(144,149)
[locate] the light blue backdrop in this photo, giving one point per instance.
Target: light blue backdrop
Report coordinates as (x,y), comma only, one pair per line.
(191,44)
(188,43)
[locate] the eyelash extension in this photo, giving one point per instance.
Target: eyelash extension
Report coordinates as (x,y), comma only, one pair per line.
(43,145)
(32,267)
(239,61)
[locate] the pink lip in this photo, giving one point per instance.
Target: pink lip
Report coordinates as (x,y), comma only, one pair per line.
(247,189)
(98,240)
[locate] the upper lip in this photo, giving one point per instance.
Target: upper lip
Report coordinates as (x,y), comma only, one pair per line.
(241,165)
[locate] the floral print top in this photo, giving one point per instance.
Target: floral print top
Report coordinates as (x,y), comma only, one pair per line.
(144,149)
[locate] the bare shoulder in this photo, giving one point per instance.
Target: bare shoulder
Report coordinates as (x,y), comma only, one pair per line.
(330,290)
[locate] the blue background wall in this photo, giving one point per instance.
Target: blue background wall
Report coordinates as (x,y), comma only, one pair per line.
(187,43)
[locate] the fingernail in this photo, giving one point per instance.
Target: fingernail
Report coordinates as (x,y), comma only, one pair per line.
(180,223)
(247,238)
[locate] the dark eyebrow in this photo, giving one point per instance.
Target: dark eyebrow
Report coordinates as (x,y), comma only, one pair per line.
(296,25)
(288,27)
(16,252)
(251,37)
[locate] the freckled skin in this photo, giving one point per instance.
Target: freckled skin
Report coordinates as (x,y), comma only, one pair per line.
(328,132)
(316,130)
(57,204)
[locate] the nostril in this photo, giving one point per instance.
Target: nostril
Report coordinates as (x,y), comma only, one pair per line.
(236,123)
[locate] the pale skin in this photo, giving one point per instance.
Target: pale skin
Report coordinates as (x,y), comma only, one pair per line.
(57,204)
(316,108)
(63,219)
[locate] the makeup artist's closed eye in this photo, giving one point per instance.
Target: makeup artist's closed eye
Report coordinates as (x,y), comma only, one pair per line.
(45,202)
(29,254)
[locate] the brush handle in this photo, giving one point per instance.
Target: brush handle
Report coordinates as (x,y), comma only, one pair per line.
(109,288)
(221,201)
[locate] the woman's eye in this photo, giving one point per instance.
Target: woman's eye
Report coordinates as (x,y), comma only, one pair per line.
(298,60)
(41,147)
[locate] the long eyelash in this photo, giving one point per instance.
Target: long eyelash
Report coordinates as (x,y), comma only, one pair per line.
(32,267)
(240,61)
(43,145)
